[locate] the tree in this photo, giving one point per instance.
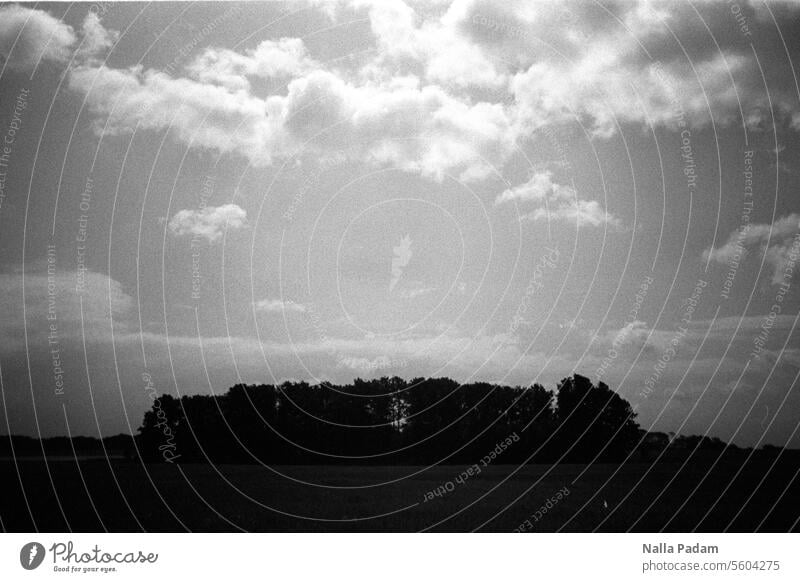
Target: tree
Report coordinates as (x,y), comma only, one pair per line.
(594,421)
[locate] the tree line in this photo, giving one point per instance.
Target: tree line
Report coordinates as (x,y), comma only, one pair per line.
(392,421)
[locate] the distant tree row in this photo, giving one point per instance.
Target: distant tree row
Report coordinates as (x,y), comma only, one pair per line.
(392,421)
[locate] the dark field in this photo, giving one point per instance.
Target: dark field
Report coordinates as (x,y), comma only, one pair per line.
(198,498)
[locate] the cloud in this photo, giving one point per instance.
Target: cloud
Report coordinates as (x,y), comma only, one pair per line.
(449,90)
(454,354)
(633,332)
(602,69)
(433,47)
(782,251)
(203,115)
(579,212)
(96,38)
(557,202)
(209,223)
(286,57)
(539,187)
(634,337)
(69,300)
(394,122)
(276,305)
(28,36)
(724,326)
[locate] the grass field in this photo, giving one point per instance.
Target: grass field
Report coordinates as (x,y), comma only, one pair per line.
(96,496)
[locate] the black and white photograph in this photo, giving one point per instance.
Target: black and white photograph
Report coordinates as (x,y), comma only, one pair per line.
(384,266)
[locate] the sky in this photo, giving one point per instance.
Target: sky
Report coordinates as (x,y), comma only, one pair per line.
(194,195)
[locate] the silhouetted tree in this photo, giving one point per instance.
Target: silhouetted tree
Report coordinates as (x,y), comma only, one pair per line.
(594,421)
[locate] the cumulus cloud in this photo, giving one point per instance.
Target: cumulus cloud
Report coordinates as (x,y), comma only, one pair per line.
(633,332)
(578,212)
(539,187)
(28,36)
(286,57)
(73,302)
(629,338)
(780,241)
(557,202)
(209,223)
(278,306)
(204,115)
(96,38)
(435,47)
(573,60)
(450,89)
(396,122)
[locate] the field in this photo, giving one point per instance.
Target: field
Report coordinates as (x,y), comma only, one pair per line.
(637,497)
